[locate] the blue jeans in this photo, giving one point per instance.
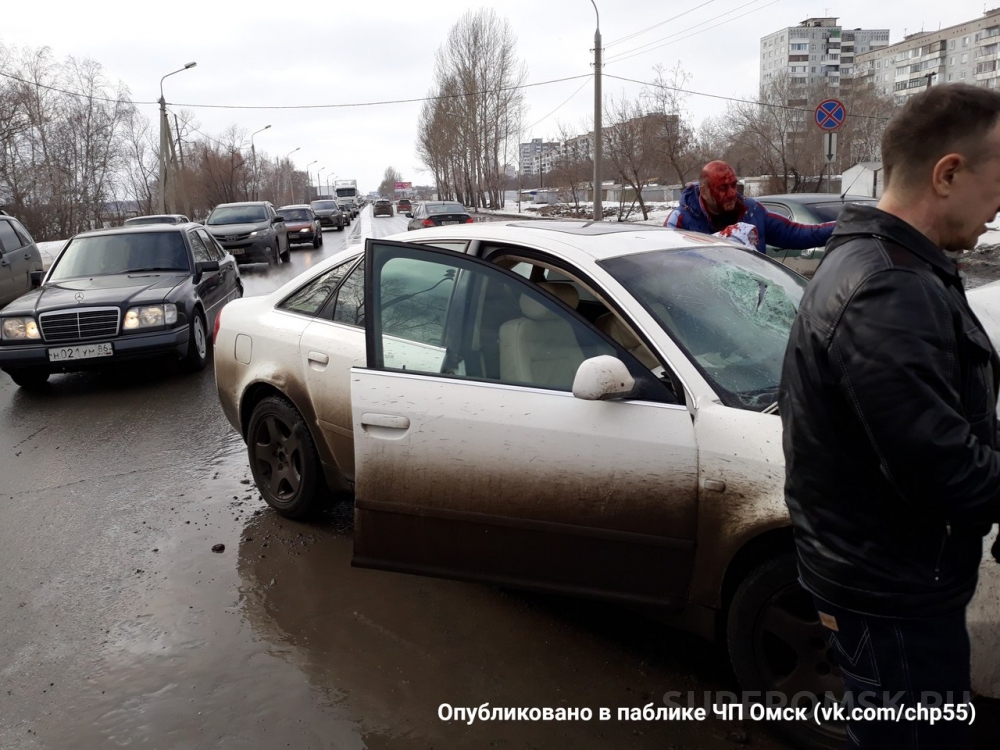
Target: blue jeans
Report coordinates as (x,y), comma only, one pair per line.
(895,661)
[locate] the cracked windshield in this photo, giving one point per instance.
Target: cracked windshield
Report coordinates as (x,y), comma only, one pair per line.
(732,316)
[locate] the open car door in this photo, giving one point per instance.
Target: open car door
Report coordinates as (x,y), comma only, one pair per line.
(473,458)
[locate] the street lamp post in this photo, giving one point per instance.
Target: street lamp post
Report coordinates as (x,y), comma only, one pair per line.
(291,188)
(165,138)
(253,155)
(319,180)
(308,180)
(598,135)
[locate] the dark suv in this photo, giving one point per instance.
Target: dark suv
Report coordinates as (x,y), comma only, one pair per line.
(382,207)
(20,261)
(253,231)
(329,213)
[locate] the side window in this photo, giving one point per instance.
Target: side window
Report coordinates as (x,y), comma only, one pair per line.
(350,306)
(777,208)
(21,232)
(9,241)
(308,299)
(448,314)
(198,248)
(459,246)
(214,250)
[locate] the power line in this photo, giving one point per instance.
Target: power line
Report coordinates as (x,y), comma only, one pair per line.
(204,135)
(656,25)
(560,106)
(734,99)
(643,48)
(305,106)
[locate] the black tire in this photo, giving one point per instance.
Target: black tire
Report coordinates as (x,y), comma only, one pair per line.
(317,239)
(285,256)
(283,459)
(198,344)
(776,644)
(273,256)
(30,378)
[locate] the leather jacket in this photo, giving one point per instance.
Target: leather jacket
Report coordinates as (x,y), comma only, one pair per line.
(888,403)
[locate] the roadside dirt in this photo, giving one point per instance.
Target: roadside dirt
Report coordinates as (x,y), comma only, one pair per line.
(981,266)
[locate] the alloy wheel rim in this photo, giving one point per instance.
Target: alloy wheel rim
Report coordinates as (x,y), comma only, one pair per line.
(199,338)
(277,458)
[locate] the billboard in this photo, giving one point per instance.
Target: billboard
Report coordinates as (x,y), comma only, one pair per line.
(404,186)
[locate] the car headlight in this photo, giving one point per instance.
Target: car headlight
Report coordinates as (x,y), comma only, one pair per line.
(20,329)
(807,253)
(150,316)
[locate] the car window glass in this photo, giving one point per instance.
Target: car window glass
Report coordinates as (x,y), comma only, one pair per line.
(125,252)
(21,232)
(214,250)
(198,248)
(9,240)
(777,208)
(309,298)
(491,327)
(830,211)
(459,246)
(350,306)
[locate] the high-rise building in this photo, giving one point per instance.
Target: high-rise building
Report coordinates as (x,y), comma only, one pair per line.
(818,50)
(966,52)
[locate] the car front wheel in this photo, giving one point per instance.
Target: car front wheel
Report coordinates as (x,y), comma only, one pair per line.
(197,353)
(777,645)
(30,378)
(283,459)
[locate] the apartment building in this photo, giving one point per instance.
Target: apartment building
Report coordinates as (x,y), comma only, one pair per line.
(966,52)
(818,50)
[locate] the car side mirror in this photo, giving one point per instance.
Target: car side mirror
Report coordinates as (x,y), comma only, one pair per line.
(602,378)
(205,266)
(277,219)
(36,278)
(408,215)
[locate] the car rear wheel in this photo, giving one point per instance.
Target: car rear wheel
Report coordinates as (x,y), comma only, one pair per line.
(285,256)
(197,353)
(30,378)
(283,459)
(777,645)
(317,238)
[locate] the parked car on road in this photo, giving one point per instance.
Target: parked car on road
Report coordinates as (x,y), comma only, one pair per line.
(329,213)
(254,232)
(562,406)
(302,225)
(120,294)
(383,207)
(437,214)
(20,260)
(157,219)
(807,208)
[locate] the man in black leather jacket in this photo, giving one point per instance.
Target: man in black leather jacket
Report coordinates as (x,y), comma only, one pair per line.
(888,402)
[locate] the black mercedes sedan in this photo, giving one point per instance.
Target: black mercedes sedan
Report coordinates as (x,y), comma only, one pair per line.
(120,294)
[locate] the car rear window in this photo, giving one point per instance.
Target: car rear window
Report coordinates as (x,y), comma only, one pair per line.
(445,208)
(324,205)
(295,214)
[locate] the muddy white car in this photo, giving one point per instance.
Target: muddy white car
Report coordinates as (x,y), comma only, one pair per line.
(568,407)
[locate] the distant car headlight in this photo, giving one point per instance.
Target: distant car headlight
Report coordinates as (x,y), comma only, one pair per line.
(20,329)
(150,316)
(807,253)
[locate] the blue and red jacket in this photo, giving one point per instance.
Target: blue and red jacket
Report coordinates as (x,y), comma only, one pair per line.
(772,229)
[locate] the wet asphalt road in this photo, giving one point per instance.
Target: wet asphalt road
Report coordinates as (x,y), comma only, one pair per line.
(120,627)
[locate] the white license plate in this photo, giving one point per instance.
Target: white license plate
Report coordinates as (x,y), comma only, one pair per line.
(236,250)
(89,351)
(293,236)
(449,222)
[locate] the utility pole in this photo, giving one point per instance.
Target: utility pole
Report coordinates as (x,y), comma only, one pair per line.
(182,192)
(598,130)
(166,143)
(253,153)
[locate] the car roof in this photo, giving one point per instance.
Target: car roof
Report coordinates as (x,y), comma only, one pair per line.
(598,240)
(140,229)
(294,205)
(244,203)
(807,198)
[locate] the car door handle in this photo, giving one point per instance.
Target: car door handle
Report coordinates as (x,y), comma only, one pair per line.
(319,358)
(392,421)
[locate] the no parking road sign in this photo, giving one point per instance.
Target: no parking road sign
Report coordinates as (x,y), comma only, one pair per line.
(830,115)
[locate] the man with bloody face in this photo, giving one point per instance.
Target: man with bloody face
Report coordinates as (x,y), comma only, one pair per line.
(714,204)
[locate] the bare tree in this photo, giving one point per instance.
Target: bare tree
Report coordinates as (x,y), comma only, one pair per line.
(631,142)
(389,179)
(675,149)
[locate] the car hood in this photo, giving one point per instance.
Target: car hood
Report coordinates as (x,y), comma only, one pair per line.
(98,291)
(222,230)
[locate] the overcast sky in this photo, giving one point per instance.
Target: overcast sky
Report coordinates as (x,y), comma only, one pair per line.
(307,52)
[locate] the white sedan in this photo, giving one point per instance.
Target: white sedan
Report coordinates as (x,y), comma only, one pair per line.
(562,406)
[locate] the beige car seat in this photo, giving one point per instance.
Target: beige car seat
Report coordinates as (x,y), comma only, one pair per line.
(611,325)
(540,348)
